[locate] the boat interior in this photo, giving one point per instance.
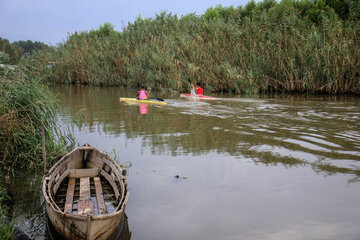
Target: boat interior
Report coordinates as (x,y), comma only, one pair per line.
(86,182)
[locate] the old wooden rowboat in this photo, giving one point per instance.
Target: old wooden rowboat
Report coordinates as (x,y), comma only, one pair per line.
(85,194)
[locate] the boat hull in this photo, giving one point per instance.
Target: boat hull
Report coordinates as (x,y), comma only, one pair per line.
(76,227)
(187,95)
(135,100)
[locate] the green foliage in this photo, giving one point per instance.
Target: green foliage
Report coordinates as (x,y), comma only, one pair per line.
(219,12)
(12,52)
(104,31)
(354,10)
(290,46)
(30,47)
(24,106)
(4,58)
(266,5)
(6,231)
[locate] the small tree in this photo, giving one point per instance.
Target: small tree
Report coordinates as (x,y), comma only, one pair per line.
(4,58)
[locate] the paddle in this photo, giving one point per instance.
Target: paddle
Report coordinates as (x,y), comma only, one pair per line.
(193,89)
(159,99)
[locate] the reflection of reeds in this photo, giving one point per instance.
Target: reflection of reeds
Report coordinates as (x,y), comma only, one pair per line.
(277,50)
(6,230)
(24,104)
(3,208)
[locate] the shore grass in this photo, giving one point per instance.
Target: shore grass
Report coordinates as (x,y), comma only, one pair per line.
(24,105)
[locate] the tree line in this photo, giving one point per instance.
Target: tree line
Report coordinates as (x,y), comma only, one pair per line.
(11,53)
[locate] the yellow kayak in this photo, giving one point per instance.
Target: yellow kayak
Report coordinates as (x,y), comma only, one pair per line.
(151,101)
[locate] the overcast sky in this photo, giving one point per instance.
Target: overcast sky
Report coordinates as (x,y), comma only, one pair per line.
(50,21)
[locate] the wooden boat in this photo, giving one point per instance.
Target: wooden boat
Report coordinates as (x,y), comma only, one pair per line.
(85,194)
(196,96)
(151,101)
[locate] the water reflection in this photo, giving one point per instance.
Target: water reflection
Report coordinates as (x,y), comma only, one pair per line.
(143,108)
(322,132)
(26,203)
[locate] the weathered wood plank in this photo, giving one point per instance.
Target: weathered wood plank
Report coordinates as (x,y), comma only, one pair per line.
(57,184)
(80,173)
(112,183)
(99,196)
(69,196)
(85,207)
(85,188)
(86,148)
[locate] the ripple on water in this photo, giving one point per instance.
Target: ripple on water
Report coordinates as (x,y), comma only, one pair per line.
(353,135)
(353,153)
(343,163)
(285,152)
(321,141)
(307,145)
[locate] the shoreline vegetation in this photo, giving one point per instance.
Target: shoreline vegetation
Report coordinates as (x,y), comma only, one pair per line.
(26,104)
(294,46)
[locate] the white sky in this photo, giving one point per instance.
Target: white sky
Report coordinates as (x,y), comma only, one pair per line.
(50,21)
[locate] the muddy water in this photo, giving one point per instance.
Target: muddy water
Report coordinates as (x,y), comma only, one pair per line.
(234,168)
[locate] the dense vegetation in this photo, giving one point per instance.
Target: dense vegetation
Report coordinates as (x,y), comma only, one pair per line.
(291,46)
(24,106)
(11,53)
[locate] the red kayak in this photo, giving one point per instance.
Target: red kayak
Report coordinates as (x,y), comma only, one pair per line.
(196,96)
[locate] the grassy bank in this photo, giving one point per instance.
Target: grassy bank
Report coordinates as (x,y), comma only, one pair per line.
(24,105)
(291,46)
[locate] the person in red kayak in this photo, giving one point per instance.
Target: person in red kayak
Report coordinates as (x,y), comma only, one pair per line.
(142,94)
(199,90)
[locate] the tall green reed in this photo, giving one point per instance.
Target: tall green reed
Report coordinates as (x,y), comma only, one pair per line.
(24,106)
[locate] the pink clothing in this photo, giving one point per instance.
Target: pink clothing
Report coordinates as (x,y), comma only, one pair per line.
(143,108)
(142,94)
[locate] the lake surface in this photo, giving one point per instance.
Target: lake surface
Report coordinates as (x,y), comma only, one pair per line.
(285,167)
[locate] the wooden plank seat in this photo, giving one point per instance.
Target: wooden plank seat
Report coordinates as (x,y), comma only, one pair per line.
(85,205)
(69,196)
(99,196)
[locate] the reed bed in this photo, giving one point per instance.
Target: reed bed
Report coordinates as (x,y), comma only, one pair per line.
(24,106)
(291,46)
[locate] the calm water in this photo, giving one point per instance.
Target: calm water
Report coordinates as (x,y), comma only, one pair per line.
(249,168)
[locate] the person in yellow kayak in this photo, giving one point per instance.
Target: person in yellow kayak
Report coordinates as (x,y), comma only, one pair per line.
(142,94)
